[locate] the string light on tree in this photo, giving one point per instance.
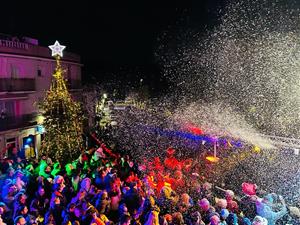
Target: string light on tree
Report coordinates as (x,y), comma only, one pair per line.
(62,116)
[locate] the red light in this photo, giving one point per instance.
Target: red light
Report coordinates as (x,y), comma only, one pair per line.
(195,130)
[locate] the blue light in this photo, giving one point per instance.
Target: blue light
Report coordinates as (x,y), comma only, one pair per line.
(197,138)
(28,140)
(40,129)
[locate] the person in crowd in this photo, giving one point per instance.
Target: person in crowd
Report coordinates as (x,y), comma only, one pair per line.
(214,220)
(223,216)
(78,212)
(69,213)
(56,209)
(231,203)
(125,220)
(132,199)
(1,222)
(264,208)
(103,203)
(40,203)
(206,210)
(99,180)
(5,214)
(258,220)
(49,218)
(19,201)
(177,219)
(23,211)
(232,219)
(168,199)
(220,204)
(185,203)
(110,189)
(20,220)
(115,199)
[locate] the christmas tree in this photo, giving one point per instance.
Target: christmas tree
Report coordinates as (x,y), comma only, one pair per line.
(62,117)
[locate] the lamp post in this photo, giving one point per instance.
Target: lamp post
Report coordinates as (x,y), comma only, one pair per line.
(214,158)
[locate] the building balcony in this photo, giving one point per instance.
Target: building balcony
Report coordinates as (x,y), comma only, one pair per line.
(15,122)
(13,44)
(28,49)
(17,85)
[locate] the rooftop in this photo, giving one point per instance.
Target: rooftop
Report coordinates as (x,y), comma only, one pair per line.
(25,46)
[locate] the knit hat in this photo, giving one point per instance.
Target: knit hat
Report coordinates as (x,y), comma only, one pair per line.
(258,220)
(204,204)
(224,213)
(214,220)
(222,203)
(204,201)
(229,194)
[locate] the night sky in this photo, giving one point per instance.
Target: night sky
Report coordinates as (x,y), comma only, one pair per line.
(114,42)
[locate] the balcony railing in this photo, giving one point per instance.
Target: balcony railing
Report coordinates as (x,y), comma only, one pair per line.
(28,49)
(21,84)
(13,44)
(9,122)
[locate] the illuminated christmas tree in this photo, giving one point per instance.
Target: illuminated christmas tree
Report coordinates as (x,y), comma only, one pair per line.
(62,116)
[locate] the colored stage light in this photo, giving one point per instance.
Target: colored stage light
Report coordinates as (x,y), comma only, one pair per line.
(212,159)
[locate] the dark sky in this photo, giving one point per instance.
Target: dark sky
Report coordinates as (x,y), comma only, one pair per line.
(109,39)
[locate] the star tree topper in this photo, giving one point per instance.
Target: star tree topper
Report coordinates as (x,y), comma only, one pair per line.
(57,49)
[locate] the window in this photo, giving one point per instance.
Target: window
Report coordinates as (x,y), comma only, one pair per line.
(14,71)
(11,143)
(7,109)
(39,72)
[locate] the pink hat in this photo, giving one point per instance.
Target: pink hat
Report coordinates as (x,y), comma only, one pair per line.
(214,220)
(222,203)
(204,204)
(249,189)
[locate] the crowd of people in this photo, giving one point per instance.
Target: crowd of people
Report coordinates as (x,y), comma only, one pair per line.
(105,187)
